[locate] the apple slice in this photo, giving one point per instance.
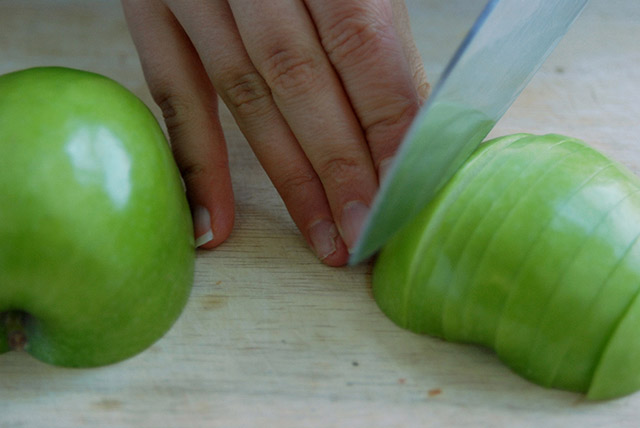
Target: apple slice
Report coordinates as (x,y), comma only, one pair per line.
(96,240)
(618,371)
(395,275)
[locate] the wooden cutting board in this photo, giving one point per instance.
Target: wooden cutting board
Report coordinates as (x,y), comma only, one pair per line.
(270,336)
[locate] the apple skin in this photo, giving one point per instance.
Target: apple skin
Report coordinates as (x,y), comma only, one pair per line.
(96,241)
(532,249)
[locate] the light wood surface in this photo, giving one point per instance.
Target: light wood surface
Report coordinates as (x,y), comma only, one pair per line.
(270,336)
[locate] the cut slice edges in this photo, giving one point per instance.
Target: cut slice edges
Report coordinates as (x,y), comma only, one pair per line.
(590,297)
(441,275)
(570,221)
(618,370)
(496,254)
(400,269)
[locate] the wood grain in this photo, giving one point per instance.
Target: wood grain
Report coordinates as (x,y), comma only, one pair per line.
(270,336)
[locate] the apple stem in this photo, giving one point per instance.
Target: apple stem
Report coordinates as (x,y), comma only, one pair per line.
(16,334)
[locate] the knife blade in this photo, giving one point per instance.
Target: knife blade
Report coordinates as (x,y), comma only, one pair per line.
(502,51)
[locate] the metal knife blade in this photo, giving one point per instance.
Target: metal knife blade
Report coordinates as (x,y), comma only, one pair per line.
(505,47)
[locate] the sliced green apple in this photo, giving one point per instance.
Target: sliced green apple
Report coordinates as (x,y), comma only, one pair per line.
(406,303)
(531,255)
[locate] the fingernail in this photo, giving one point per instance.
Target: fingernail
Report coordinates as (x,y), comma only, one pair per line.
(323,234)
(383,169)
(202,225)
(353,216)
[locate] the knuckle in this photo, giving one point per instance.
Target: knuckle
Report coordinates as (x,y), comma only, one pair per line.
(177,110)
(288,69)
(174,109)
(246,93)
(390,122)
(356,33)
(339,170)
(295,182)
(190,171)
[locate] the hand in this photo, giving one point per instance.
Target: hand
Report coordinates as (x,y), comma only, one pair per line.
(323,91)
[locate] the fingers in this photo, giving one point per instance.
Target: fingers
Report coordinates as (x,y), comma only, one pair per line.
(309,94)
(370,45)
(180,86)
(324,97)
(249,98)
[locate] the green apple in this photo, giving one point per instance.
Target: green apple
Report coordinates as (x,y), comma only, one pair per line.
(531,249)
(96,242)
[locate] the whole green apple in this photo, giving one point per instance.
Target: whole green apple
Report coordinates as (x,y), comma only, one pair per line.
(96,242)
(531,249)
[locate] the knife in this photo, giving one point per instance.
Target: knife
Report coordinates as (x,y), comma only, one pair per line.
(504,48)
